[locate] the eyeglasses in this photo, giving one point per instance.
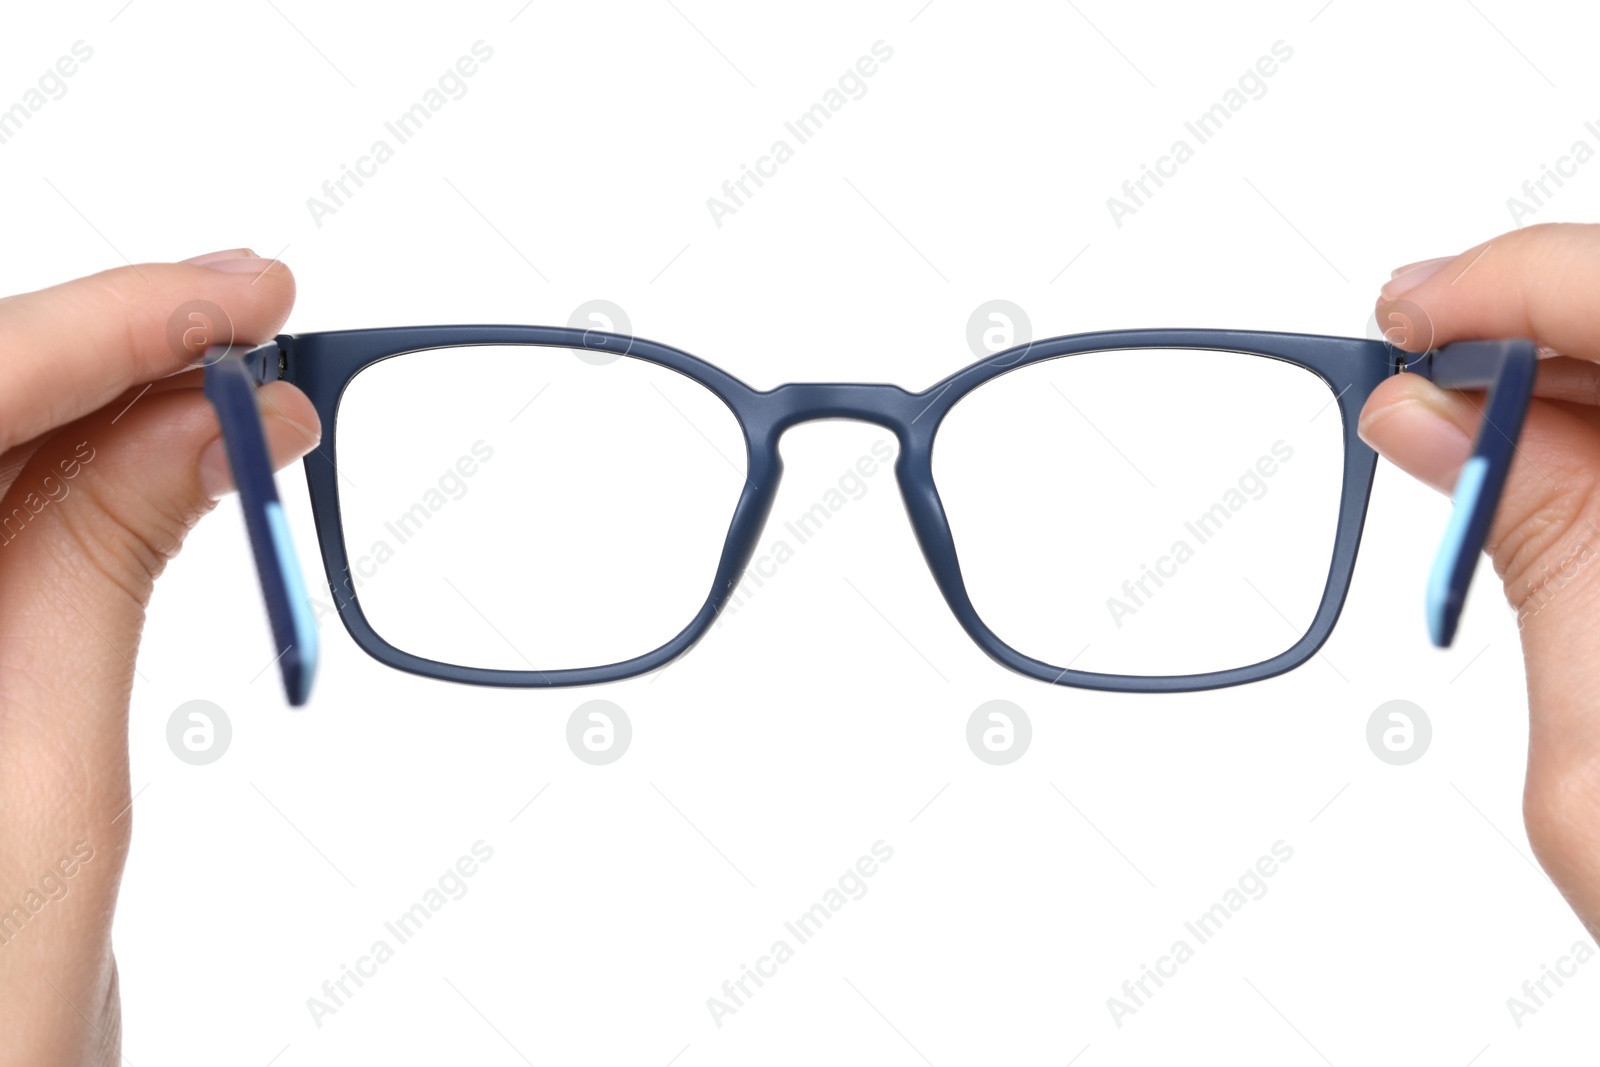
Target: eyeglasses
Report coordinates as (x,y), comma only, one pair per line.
(1143,511)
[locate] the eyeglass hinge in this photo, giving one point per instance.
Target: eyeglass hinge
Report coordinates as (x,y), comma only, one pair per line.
(1401,361)
(284,341)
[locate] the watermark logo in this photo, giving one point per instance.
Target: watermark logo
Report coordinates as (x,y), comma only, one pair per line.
(194,328)
(52,886)
(451,85)
(446,488)
(1251,485)
(1398,732)
(599,732)
(1538,192)
(851,885)
(51,85)
(1404,326)
(53,488)
(1251,85)
(737,192)
(451,885)
(1536,992)
(1552,581)
(597,318)
(999,732)
(852,484)
(1251,885)
(199,732)
(997,325)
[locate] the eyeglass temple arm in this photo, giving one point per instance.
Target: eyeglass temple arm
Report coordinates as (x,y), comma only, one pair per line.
(232,373)
(1507,370)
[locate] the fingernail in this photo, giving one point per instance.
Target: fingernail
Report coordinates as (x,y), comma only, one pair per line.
(216,477)
(1408,278)
(1418,263)
(1423,397)
(1420,433)
(213,257)
(246,265)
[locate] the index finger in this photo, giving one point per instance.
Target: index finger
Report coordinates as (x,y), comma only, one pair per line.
(73,348)
(1538,282)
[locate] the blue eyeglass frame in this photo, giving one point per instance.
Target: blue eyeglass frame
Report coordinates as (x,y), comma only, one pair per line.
(323,364)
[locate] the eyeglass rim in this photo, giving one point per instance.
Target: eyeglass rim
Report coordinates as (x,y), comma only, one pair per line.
(322,364)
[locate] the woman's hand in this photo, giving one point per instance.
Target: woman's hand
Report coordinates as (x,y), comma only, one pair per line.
(1539,283)
(109,453)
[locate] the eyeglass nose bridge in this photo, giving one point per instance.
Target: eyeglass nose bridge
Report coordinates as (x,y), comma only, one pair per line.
(911,417)
(766,416)
(889,406)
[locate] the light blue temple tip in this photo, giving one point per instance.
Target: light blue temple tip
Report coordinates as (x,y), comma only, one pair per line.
(1469,487)
(306,636)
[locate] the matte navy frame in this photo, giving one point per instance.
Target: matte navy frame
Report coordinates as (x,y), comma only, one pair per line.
(323,365)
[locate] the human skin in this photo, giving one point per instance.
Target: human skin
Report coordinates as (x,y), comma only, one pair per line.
(1538,283)
(74,581)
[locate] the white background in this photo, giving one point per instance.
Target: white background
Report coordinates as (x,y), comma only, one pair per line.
(821,718)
